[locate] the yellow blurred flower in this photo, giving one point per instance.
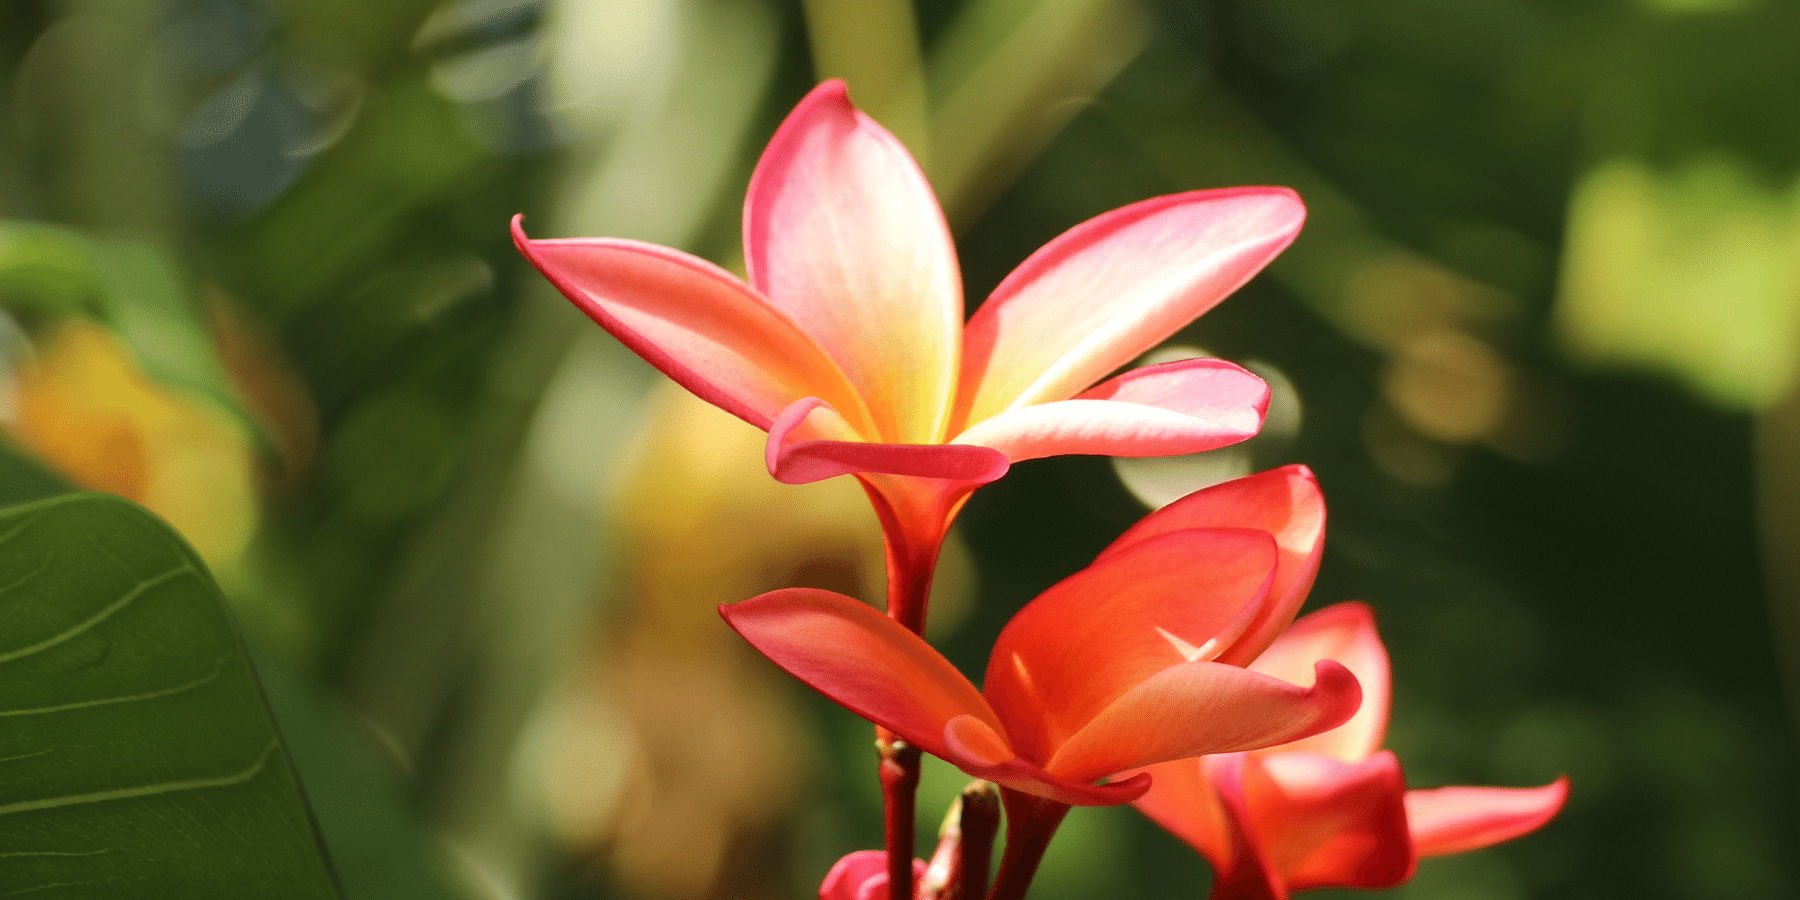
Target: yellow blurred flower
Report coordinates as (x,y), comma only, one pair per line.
(86,407)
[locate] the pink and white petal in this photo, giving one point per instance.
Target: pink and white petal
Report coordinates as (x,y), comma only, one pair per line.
(1113,287)
(810,442)
(1103,631)
(1284,502)
(1344,632)
(861,660)
(1458,819)
(1179,407)
(1325,823)
(843,233)
(862,875)
(690,319)
(1198,708)
(1182,800)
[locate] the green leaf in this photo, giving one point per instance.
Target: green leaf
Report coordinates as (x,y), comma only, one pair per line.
(137,758)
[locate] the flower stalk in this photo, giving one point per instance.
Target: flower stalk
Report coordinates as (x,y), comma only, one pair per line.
(1031,821)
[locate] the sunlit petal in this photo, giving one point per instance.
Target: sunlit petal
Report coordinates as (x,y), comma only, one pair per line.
(1457,819)
(862,660)
(1344,632)
(843,233)
(1284,502)
(703,328)
(1111,288)
(1197,708)
(1179,407)
(1099,633)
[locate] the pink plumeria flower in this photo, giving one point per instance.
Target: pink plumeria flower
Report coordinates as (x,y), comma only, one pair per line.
(848,344)
(862,875)
(1134,660)
(1331,810)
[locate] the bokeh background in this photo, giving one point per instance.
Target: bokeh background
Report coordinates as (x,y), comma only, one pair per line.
(1539,341)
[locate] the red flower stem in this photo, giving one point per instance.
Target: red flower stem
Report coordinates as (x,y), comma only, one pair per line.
(1030,824)
(909,586)
(899,771)
(979,821)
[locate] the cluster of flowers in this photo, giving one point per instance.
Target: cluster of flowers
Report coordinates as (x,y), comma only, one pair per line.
(1168,674)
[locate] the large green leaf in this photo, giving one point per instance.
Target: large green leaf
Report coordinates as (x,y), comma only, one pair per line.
(137,758)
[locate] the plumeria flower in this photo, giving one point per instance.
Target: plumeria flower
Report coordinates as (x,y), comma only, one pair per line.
(1330,810)
(862,875)
(1136,659)
(848,344)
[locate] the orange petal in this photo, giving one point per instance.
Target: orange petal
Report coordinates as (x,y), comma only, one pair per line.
(1101,632)
(1456,819)
(1111,288)
(863,661)
(1179,407)
(1344,632)
(1198,708)
(1182,801)
(694,322)
(843,233)
(1284,502)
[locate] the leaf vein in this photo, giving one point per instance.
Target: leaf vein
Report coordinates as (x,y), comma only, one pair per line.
(101,616)
(148,790)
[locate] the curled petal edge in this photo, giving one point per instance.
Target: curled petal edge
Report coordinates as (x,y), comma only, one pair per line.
(810,442)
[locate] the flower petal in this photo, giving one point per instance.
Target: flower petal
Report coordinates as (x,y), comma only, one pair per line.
(980,752)
(690,319)
(843,233)
(1324,823)
(1284,502)
(1178,407)
(1344,632)
(810,442)
(1457,819)
(1099,633)
(1182,800)
(1197,708)
(1111,288)
(862,875)
(862,661)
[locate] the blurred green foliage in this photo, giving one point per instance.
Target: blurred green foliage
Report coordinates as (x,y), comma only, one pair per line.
(1534,430)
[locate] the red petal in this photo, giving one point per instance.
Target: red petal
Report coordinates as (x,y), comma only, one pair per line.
(1345,633)
(842,232)
(1179,407)
(1325,823)
(1198,708)
(863,661)
(1182,800)
(1102,631)
(690,319)
(810,442)
(1111,288)
(1455,819)
(1284,502)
